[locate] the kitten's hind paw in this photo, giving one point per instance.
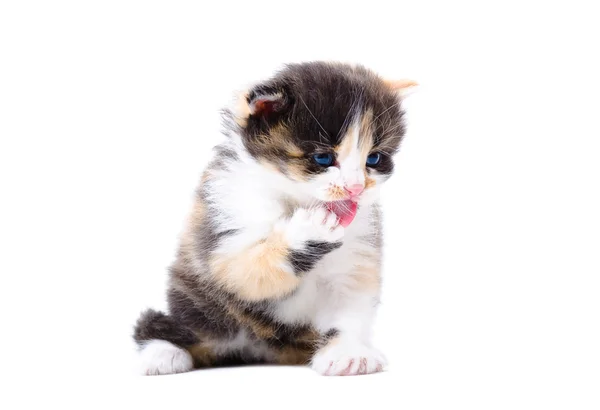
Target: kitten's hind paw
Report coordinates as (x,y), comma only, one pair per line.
(161,357)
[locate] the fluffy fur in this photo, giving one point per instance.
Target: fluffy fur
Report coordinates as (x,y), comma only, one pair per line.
(265,272)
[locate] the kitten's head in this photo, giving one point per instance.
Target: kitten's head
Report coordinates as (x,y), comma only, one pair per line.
(330,129)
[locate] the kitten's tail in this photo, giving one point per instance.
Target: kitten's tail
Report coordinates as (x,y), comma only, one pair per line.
(163,343)
(154,325)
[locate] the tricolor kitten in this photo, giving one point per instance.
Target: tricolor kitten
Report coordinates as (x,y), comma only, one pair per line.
(280,261)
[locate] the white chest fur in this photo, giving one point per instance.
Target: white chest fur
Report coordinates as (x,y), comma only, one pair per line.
(326,289)
(250,199)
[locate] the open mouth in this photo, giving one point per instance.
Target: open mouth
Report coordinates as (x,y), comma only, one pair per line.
(345,210)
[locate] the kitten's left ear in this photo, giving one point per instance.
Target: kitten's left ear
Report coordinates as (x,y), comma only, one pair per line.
(402,87)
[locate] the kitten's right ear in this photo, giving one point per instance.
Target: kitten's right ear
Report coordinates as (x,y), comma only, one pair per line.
(260,105)
(266,102)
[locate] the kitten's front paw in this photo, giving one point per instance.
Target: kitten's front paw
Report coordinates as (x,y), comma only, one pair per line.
(318,224)
(348,360)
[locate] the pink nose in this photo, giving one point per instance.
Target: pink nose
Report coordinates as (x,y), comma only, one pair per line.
(355,190)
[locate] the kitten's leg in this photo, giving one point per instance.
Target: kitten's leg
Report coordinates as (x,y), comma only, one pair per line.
(168,347)
(350,352)
(271,267)
(162,341)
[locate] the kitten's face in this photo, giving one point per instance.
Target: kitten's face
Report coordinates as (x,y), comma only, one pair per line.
(331,129)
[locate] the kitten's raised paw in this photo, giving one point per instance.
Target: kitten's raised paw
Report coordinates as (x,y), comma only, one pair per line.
(318,224)
(345,360)
(161,357)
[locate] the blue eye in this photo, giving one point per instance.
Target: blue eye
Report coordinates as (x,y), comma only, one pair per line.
(323,160)
(373,159)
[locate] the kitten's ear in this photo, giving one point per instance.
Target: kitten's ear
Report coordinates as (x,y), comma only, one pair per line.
(402,87)
(260,105)
(265,102)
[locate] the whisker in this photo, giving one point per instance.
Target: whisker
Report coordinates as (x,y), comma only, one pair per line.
(312,115)
(389,152)
(392,128)
(386,110)
(350,111)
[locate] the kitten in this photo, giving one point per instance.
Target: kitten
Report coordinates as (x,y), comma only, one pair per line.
(280,261)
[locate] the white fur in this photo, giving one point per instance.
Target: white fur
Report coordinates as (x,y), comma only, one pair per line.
(316,224)
(265,97)
(323,293)
(161,357)
(351,168)
(348,359)
(241,344)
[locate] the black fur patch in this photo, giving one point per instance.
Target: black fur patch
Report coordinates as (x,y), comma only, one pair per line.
(331,333)
(157,325)
(236,359)
(304,260)
(201,314)
(224,155)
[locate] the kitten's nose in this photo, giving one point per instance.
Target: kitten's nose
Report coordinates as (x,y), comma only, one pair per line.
(355,190)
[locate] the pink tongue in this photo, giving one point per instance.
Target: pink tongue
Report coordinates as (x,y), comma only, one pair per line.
(345,211)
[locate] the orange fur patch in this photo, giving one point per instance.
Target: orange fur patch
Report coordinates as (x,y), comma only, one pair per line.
(366,278)
(279,139)
(194,220)
(242,109)
(344,149)
(367,275)
(364,132)
(369,182)
(260,330)
(257,273)
(399,85)
(289,355)
(203,354)
(337,193)
(330,343)
(296,171)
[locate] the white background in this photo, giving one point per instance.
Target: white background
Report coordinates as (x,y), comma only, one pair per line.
(108,111)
